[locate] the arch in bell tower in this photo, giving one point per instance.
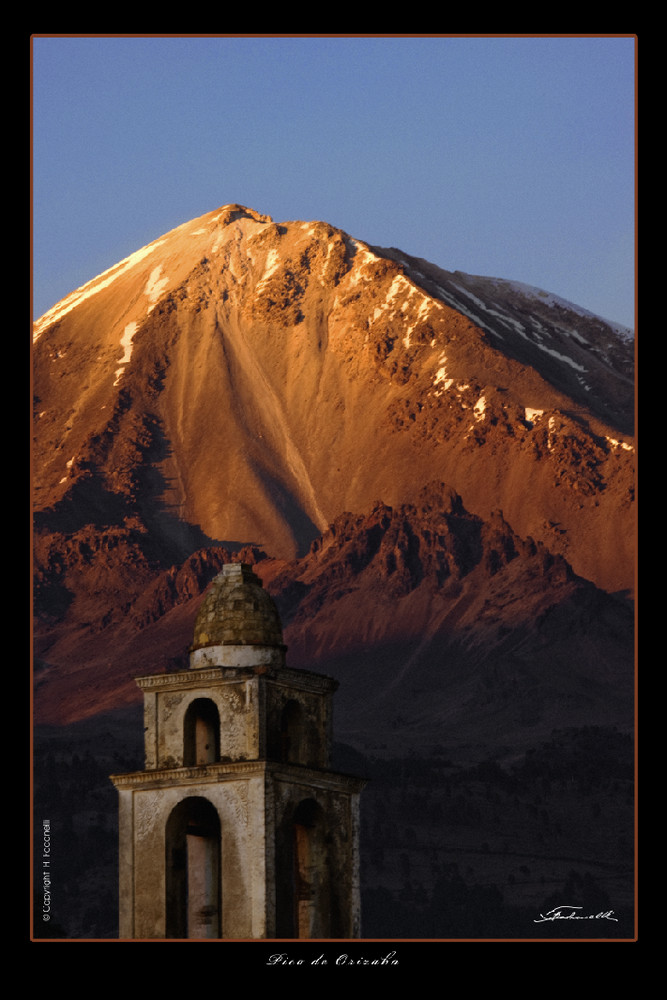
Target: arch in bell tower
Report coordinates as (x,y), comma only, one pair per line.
(308,903)
(201,733)
(312,874)
(192,867)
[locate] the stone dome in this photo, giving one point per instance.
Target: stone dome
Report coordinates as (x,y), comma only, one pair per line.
(236,612)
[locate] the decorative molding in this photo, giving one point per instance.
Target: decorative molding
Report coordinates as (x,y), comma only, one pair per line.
(203,676)
(186,679)
(210,773)
(206,774)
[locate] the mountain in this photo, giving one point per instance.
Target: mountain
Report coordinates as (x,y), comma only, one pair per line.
(432,473)
(240,384)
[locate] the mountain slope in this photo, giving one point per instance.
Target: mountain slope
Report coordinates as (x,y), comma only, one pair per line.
(274,375)
(431,472)
(242,385)
(441,624)
(437,623)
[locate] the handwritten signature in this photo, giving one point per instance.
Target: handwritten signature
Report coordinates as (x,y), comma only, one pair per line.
(568,913)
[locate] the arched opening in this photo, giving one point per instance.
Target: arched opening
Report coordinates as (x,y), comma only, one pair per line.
(193,894)
(291,733)
(201,733)
(304,884)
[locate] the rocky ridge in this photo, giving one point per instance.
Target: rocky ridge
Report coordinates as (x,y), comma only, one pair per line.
(290,396)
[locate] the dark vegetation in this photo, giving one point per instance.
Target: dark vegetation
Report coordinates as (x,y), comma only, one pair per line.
(484,851)
(447,850)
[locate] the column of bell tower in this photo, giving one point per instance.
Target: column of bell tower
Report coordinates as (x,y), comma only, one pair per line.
(237,828)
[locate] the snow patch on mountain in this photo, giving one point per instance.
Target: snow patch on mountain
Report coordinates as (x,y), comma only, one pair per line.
(92,287)
(560,357)
(479,408)
(455,303)
(68,466)
(126,344)
(272,264)
(400,286)
(530,291)
(531,415)
(155,286)
(363,256)
(506,320)
(615,443)
(551,432)
(513,324)
(495,314)
(440,378)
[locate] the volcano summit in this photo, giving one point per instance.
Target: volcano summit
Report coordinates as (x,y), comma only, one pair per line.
(432,473)
(377,432)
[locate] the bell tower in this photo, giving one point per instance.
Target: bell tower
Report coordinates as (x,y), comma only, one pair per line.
(237,828)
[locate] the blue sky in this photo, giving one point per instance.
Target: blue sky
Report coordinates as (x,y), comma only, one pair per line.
(511,157)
